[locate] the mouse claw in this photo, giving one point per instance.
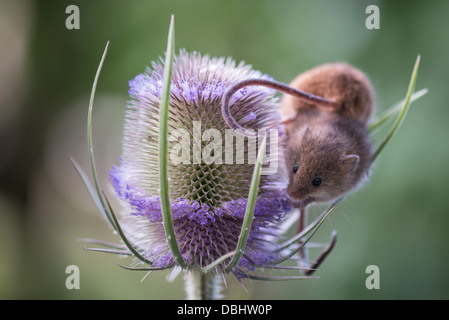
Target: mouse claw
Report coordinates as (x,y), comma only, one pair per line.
(322,256)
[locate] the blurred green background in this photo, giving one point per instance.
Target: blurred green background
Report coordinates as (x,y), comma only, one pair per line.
(398,221)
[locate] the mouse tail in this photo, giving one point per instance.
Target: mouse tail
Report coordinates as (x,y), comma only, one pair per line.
(279,86)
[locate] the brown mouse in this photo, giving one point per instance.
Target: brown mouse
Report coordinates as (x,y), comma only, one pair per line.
(327,150)
(325,112)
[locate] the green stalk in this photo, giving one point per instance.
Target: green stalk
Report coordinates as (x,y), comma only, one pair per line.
(100,199)
(384,116)
(201,286)
(250,206)
(163,149)
(402,113)
(90,141)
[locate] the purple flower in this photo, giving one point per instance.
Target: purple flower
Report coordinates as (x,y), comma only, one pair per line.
(208,198)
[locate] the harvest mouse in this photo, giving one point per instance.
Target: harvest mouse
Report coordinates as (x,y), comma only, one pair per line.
(325,112)
(327,149)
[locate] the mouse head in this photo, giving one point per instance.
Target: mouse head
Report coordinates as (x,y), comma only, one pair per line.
(318,169)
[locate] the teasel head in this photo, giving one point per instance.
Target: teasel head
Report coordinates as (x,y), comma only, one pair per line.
(192,196)
(208,189)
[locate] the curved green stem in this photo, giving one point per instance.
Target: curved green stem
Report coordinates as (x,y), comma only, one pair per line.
(100,198)
(163,149)
(402,113)
(250,206)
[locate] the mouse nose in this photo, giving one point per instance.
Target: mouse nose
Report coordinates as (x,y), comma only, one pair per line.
(296,193)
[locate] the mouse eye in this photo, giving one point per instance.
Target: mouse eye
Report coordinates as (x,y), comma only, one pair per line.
(317,181)
(295,168)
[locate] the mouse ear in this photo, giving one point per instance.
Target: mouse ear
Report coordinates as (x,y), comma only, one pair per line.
(303,132)
(351,162)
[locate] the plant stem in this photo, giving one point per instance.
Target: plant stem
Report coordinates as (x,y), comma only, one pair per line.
(202,286)
(301,224)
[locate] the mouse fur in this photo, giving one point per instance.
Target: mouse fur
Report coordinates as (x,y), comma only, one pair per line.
(332,145)
(339,82)
(336,150)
